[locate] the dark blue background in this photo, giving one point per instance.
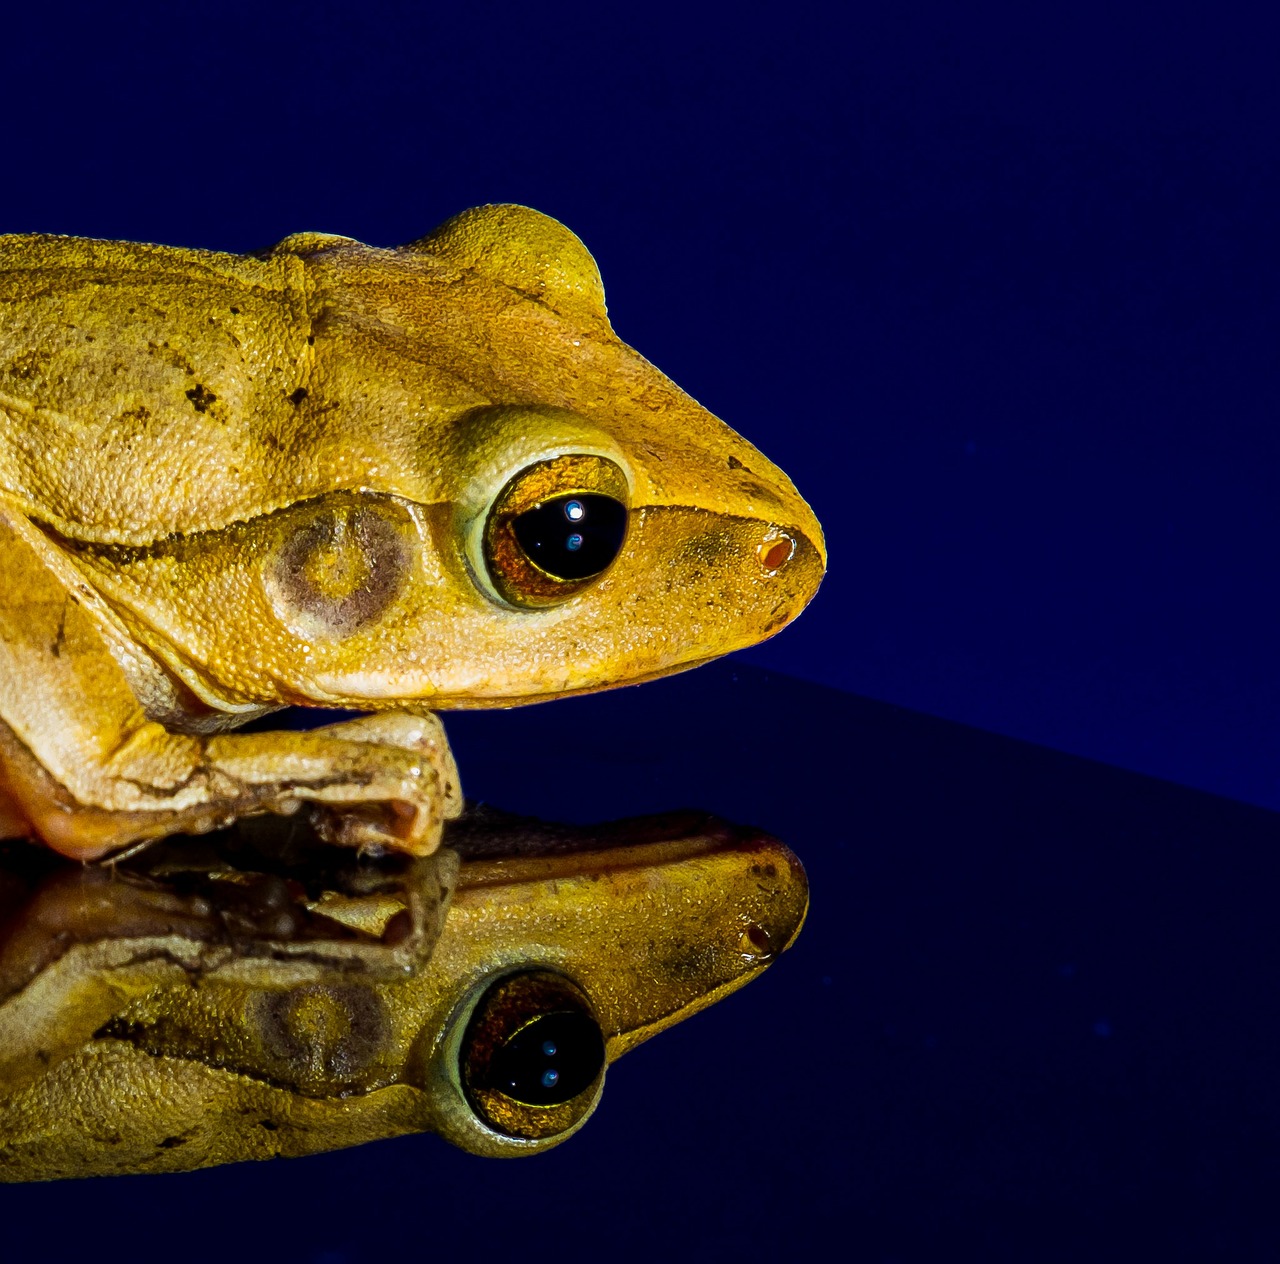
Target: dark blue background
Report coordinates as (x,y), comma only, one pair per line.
(997,285)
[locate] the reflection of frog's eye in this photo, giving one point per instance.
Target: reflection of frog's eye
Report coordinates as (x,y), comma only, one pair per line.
(532,1056)
(555,528)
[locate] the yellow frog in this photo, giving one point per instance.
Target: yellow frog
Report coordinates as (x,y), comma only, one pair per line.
(395,481)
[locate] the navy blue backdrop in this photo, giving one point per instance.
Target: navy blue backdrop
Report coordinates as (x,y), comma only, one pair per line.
(997,285)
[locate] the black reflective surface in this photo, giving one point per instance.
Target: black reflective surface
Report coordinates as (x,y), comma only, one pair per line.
(1031,1017)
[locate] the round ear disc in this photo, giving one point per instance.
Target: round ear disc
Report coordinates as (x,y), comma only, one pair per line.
(522,248)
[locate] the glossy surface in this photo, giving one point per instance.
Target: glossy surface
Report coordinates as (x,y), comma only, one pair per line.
(1027,1019)
(233,482)
(188,1012)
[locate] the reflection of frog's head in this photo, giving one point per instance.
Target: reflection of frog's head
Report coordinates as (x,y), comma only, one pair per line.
(152,1047)
(579,502)
(608,947)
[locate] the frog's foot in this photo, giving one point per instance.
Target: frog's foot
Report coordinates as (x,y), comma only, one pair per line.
(387,781)
(402,823)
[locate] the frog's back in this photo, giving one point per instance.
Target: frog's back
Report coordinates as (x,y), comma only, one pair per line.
(146,389)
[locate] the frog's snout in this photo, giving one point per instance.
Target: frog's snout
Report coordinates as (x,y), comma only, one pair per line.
(791,550)
(790,561)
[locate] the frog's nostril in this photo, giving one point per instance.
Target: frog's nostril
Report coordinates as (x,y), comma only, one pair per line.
(755,943)
(776,550)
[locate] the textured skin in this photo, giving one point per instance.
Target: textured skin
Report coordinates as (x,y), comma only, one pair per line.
(233,483)
(188,1071)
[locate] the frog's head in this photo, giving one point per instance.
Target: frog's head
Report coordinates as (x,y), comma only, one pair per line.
(583,521)
(482,497)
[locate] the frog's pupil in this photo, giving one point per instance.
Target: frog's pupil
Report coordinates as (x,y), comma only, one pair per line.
(572,537)
(550,1060)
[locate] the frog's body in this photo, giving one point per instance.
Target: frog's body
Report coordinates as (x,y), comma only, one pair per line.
(229,484)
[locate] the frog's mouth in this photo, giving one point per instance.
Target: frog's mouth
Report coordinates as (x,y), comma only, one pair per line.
(532,699)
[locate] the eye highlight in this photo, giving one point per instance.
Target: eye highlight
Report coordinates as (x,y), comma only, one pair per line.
(555,528)
(572,537)
(532,1056)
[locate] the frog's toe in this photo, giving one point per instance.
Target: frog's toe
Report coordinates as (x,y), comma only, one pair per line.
(393,825)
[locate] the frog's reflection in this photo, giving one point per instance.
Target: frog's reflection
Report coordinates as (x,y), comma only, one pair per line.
(253,994)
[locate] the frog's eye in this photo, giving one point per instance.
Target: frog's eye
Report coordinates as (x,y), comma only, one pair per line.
(532,1057)
(572,537)
(555,528)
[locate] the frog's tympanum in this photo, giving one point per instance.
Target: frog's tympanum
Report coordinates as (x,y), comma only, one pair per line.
(200,1006)
(395,481)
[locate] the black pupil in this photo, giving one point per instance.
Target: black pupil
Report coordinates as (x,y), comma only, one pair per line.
(572,537)
(549,1061)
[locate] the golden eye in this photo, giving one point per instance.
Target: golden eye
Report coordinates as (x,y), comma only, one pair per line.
(555,528)
(532,1057)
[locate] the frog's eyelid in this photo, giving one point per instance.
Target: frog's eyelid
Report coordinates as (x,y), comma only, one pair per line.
(524,250)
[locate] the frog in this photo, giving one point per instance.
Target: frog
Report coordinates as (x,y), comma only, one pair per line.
(132,1041)
(390,481)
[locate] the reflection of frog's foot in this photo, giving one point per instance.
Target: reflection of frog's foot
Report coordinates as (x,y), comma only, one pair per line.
(260,906)
(377,827)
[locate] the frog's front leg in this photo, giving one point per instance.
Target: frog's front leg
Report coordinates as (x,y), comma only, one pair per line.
(88,772)
(343,816)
